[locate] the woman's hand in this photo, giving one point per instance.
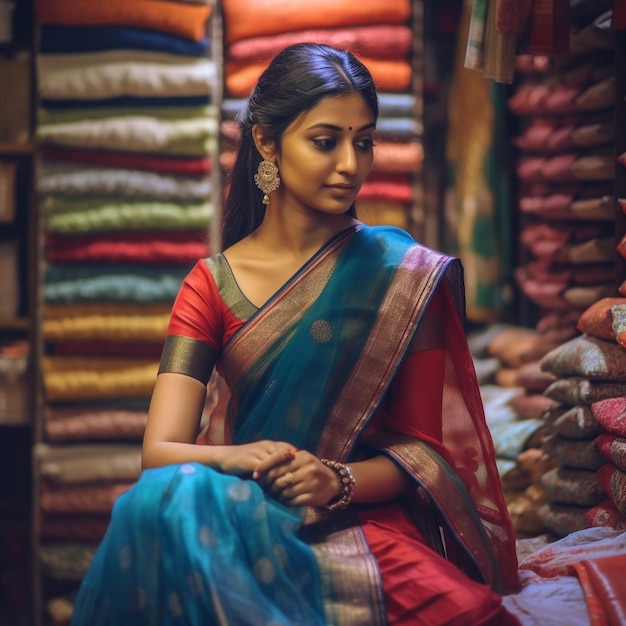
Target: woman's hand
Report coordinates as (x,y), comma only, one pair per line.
(245,458)
(301,481)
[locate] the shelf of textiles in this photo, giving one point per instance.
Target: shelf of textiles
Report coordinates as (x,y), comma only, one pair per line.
(127,126)
(387,38)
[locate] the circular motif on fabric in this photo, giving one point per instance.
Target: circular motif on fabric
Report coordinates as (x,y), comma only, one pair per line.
(207,537)
(175,605)
(187,469)
(239,491)
(139,599)
(196,583)
(264,571)
(321,331)
(126,557)
(281,554)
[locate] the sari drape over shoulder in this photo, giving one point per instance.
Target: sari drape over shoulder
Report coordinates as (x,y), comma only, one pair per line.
(314,367)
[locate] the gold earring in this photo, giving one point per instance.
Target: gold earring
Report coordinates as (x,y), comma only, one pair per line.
(267,179)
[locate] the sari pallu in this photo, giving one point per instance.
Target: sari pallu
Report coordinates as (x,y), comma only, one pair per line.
(192,523)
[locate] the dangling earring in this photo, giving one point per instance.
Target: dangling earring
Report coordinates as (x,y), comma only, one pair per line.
(267,179)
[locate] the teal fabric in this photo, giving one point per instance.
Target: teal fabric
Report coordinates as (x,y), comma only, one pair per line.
(189,545)
(307,388)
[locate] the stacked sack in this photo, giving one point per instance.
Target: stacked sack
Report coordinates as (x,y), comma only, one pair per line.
(383,37)
(587,441)
(128,129)
(507,360)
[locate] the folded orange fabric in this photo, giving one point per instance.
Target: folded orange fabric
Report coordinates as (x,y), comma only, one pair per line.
(186,20)
(254,18)
(389,75)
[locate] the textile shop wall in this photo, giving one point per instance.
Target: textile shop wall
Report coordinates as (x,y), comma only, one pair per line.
(128,127)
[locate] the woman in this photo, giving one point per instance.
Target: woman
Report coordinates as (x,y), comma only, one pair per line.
(351,478)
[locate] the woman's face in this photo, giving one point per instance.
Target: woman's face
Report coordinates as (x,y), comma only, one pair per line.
(325,155)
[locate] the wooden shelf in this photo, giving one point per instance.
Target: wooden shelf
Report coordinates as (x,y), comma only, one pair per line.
(14,323)
(15,148)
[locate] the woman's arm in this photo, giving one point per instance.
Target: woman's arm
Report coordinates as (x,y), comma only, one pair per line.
(173,421)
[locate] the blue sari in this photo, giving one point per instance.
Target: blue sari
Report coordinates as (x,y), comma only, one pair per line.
(190,545)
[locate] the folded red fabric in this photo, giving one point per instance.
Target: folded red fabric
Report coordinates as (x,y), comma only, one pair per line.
(604,586)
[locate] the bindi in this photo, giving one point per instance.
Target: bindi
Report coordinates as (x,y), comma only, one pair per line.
(349,127)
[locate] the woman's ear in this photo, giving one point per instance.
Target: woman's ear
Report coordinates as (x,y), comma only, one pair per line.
(265,146)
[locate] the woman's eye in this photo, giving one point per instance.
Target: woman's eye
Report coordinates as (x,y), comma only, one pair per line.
(366,144)
(325,144)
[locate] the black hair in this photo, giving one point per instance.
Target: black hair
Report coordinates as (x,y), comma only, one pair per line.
(294,82)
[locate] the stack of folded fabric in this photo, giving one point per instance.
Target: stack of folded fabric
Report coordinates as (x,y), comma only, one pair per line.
(128,129)
(566,169)
(586,488)
(383,37)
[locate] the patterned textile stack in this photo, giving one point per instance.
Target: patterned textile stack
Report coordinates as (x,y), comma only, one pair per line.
(588,424)
(128,130)
(383,37)
(566,172)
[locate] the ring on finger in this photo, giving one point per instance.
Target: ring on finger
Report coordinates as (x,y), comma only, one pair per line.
(288,478)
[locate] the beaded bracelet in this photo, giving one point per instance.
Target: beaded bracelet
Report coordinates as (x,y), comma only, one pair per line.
(346,484)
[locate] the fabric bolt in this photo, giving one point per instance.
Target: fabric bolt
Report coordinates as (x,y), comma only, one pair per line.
(80,215)
(97,499)
(66,561)
(107,349)
(86,528)
(123,288)
(72,379)
(563,519)
(186,137)
(78,104)
(66,180)
(576,422)
(78,425)
(381,41)
(126,248)
(244,19)
(167,112)
(118,73)
(185,166)
(117,325)
(71,465)
(168,16)
(62,39)
(388,74)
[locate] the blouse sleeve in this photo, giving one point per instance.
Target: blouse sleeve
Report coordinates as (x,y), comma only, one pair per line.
(194,333)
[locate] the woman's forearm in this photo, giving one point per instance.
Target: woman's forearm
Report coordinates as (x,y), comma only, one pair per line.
(162,453)
(377,480)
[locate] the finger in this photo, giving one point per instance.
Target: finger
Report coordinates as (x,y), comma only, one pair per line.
(272,461)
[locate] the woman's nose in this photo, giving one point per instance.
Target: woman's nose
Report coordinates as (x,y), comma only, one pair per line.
(347,162)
